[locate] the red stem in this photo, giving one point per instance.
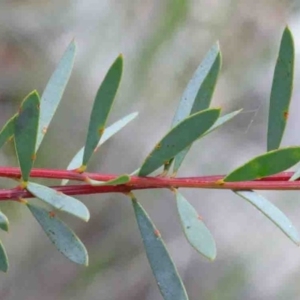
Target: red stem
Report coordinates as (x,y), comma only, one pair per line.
(275,182)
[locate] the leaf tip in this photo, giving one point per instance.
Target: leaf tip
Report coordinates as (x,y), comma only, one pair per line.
(34,92)
(213,257)
(86,261)
(287,30)
(87,215)
(120,59)
(73,42)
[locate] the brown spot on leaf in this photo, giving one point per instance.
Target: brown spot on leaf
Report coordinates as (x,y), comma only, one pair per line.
(44,130)
(285,115)
(101,130)
(157,233)
(51,214)
(33,157)
(158,146)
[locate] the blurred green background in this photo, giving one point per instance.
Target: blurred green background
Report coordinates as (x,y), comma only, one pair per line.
(162,41)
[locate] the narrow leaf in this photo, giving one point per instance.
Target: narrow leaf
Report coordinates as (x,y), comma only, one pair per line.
(271,212)
(122,179)
(281,91)
(198,93)
(26,125)
(59,200)
(135,172)
(163,268)
(64,239)
(54,91)
(295,176)
(7,131)
(181,136)
(3,259)
(267,164)
(222,120)
(108,133)
(194,228)
(101,108)
(3,221)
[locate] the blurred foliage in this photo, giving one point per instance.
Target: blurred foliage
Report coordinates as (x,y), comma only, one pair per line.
(163,42)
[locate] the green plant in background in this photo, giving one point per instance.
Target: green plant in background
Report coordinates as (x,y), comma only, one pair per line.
(193,120)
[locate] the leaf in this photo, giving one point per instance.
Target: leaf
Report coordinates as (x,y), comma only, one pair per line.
(101,108)
(7,131)
(198,94)
(54,91)
(271,212)
(64,239)
(3,259)
(222,120)
(122,179)
(181,136)
(3,221)
(281,92)
(194,228)
(108,133)
(180,156)
(267,164)
(295,176)
(26,125)
(59,200)
(163,268)
(135,172)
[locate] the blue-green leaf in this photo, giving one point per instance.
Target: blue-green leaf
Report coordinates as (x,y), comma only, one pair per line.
(198,93)
(122,179)
(101,108)
(54,91)
(267,164)
(222,120)
(271,212)
(194,228)
(181,136)
(281,91)
(26,126)
(64,239)
(163,268)
(108,133)
(3,259)
(59,200)
(135,172)
(295,176)
(7,131)
(3,221)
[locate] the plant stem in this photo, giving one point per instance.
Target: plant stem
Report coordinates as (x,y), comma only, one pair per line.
(275,182)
